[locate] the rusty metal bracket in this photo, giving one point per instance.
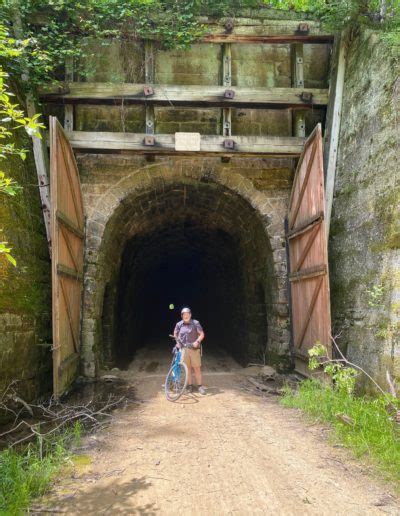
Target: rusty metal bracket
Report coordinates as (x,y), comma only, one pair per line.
(229,144)
(148,91)
(229,25)
(303,28)
(229,94)
(306,96)
(149,140)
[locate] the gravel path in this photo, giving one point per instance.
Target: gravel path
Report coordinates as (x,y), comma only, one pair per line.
(230,452)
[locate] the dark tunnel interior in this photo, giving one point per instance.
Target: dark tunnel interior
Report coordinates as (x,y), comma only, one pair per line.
(184,264)
(196,245)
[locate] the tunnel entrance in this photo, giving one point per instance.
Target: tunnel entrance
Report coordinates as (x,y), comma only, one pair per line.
(185,241)
(183,264)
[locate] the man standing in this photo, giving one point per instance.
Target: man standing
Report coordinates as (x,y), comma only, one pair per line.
(189,334)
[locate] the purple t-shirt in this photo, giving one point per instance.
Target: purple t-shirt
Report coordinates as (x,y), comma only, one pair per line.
(187,333)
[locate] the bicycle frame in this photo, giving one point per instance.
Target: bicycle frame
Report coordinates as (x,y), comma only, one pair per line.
(177,359)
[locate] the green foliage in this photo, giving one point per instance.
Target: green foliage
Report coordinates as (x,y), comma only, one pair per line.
(362,424)
(58,29)
(6,251)
(12,119)
(27,474)
(343,377)
(337,14)
(376,293)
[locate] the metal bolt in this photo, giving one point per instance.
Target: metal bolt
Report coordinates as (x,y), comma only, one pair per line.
(229,94)
(148,90)
(303,28)
(149,140)
(229,25)
(306,96)
(229,144)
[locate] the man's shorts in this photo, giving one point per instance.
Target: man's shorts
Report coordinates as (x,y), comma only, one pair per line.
(192,357)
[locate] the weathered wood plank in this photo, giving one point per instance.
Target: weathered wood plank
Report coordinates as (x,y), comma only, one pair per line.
(67,220)
(213,96)
(308,255)
(332,128)
(165,144)
(39,147)
(297,65)
(267,31)
(67,271)
(227,83)
(69,108)
(149,78)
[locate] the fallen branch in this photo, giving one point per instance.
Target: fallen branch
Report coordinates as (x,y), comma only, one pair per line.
(52,417)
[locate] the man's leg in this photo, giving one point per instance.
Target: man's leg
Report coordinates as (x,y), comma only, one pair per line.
(187,361)
(197,374)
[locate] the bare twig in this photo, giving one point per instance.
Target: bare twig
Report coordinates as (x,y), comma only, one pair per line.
(355,366)
(392,385)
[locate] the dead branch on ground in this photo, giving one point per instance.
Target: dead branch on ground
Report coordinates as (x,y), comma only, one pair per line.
(47,419)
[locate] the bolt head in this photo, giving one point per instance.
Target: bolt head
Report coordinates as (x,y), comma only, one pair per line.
(148,90)
(149,140)
(229,144)
(229,94)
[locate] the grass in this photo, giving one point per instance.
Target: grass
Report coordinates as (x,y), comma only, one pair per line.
(28,473)
(372,433)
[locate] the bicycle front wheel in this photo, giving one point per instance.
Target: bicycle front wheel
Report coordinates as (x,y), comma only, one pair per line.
(176,381)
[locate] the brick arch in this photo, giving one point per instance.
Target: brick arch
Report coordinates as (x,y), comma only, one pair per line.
(119,206)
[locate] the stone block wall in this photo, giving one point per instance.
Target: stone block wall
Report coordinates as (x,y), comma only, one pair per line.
(365,228)
(109,181)
(124,196)
(25,290)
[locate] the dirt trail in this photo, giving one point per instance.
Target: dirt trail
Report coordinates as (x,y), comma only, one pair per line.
(229,452)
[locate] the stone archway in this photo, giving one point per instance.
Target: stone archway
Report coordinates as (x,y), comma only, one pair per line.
(183,209)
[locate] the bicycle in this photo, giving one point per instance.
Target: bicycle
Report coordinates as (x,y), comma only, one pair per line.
(177,377)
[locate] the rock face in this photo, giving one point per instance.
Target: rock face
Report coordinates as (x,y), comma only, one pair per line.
(365,234)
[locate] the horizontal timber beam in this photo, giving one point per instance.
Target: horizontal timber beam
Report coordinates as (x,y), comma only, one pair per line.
(260,29)
(267,31)
(167,95)
(210,145)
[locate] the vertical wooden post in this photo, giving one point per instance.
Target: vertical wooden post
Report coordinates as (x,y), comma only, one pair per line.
(69,108)
(39,144)
(299,122)
(226,81)
(333,116)
(149,79)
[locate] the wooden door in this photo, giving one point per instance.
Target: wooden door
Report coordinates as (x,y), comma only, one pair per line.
(67,232)
(308,254)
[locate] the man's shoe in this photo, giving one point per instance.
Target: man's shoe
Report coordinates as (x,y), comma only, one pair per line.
(202,390)
(189,388)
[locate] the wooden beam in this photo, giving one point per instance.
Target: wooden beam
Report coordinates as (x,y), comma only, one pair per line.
(268,31)
(67,271)
(227,83)
(149,78)
(305,226)
(39,145)
(306,274)
(297,62)
(333,117)
(111,142)
(69,108)
(260,29)
(164,95)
